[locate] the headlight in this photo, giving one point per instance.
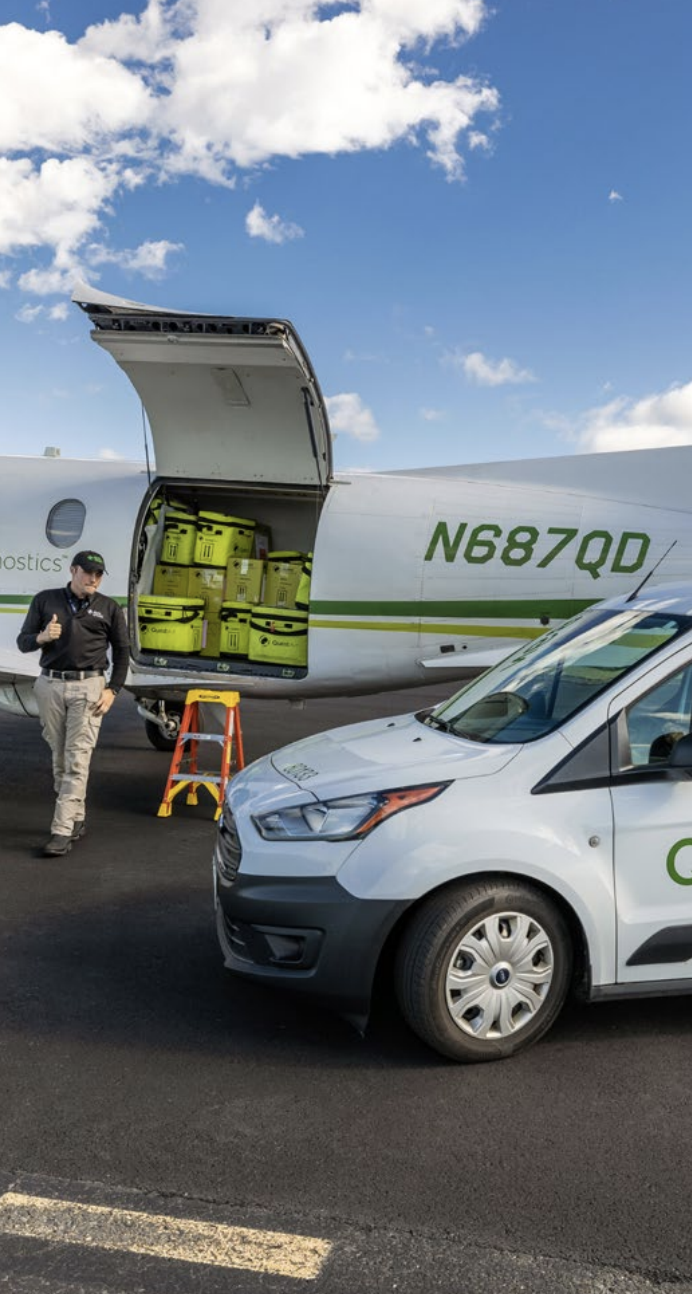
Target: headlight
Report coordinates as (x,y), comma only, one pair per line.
(349,818)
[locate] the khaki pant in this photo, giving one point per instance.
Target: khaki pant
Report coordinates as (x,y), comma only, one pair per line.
(71,728)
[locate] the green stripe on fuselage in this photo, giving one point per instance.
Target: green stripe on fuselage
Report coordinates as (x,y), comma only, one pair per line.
(524,609)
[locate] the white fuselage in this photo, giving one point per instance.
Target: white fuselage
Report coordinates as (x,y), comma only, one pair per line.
(416,576)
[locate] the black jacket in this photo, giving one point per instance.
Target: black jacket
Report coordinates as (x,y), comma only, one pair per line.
(86,634)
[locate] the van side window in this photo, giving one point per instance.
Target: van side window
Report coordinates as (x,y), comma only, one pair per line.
(656,721)
(65,523)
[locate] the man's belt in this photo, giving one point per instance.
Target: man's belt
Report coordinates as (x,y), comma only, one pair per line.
(72,675)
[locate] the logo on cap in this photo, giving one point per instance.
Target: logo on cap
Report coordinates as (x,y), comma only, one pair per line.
(89,561)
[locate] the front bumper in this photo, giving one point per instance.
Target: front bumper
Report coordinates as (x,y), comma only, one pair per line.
(306,934)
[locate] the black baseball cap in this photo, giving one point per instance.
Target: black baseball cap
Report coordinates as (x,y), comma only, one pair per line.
(89,561)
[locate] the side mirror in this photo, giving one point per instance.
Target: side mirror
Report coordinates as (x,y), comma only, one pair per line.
(680,758)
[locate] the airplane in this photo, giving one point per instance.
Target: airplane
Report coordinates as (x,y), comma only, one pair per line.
(380,580)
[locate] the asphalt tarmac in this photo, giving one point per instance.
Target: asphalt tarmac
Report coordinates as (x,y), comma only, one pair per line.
(137,1075)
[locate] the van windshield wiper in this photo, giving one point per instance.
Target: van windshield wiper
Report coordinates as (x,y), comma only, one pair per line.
(433,722)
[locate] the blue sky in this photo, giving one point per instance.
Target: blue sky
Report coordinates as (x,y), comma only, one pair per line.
(477,216)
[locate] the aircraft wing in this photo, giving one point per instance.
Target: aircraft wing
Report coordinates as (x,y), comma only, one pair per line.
(475,659)
(656,478)
(16,667)
(17,674)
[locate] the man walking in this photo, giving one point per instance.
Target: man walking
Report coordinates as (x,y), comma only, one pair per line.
(74,626)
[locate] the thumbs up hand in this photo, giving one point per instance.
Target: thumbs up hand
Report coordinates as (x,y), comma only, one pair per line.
(52,630)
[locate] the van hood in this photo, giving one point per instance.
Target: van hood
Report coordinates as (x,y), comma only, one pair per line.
(226,397)
(383,753)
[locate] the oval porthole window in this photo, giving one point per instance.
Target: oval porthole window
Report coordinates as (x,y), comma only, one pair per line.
(65,523)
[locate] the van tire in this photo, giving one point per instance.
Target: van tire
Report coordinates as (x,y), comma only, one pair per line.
(503,941)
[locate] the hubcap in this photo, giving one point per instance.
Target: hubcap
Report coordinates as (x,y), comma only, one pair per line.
(499,975)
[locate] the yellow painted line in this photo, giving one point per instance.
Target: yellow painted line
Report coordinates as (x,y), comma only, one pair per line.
(159,1236)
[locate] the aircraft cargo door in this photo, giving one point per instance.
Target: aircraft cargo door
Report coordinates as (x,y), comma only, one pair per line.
(226,398)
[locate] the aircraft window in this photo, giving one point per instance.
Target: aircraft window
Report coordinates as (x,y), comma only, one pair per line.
(65,523)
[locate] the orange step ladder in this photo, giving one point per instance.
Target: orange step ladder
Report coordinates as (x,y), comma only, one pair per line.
(187,746)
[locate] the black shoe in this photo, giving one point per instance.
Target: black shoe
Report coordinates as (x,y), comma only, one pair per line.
(58,845)
(78,830)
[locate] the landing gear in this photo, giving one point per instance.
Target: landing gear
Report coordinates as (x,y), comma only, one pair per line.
(161,723)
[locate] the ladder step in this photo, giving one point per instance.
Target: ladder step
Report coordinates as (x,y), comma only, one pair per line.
(203,736)
(194,777)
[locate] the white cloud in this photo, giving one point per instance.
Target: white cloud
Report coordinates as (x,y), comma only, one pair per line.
(47,281)
(348,414)
(56,205)
(425,19)
(482,371)
(280,78)
(432,415)
(149,259)
(206,87)
(85,100)
(478,139)
(614,196)
(272,228)
(29,314)
(5,278)
(649,423)
(144,39)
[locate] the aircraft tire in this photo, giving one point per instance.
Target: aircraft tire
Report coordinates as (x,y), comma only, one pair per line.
(164,738)
(158,738)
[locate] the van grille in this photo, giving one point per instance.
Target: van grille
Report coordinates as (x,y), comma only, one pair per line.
(228,850)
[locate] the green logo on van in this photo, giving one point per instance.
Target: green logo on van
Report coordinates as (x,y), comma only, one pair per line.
(672,862)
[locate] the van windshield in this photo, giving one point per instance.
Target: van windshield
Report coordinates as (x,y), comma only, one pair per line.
(542,685)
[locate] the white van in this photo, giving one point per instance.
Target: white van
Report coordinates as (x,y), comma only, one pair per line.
(530,837)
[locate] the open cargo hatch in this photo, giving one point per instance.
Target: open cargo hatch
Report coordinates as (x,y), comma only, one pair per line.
(226,398)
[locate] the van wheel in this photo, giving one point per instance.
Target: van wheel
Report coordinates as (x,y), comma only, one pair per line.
(484,969)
